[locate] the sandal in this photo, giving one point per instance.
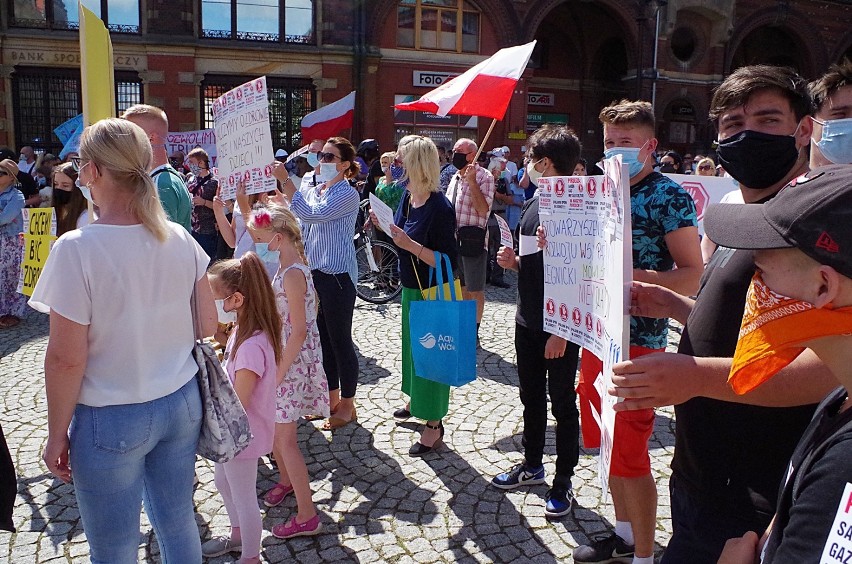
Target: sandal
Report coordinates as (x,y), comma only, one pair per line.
(293,529)
(276,495)
(336,422)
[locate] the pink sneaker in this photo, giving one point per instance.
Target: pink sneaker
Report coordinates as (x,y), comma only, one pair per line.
(294,529)
(276,495)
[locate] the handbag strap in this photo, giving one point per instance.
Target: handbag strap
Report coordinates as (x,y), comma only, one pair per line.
(193,306)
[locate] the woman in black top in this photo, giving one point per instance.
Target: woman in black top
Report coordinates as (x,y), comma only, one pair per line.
(425,222)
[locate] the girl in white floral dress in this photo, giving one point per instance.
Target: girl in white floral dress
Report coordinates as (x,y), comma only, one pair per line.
(303,388)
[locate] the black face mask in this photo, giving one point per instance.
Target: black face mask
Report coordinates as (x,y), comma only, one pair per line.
(758,160)
(61,197)
(666,167)
(459,160)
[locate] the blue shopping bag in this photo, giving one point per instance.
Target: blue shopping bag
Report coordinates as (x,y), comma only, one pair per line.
(443,332)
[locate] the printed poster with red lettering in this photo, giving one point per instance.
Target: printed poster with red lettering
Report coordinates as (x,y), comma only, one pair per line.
(243,139)
(588,272)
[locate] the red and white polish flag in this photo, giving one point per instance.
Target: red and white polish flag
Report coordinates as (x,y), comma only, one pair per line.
(329,120)
(484,90)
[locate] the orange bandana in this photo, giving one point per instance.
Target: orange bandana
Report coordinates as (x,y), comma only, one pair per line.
(773,330)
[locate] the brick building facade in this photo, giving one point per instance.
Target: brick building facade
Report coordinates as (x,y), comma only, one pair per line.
(181,54)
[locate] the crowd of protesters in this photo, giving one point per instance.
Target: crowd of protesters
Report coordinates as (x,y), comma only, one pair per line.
(279,295)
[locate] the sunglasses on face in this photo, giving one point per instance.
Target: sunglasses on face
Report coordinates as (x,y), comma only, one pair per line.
(75,162)
(705,167)
(327,157)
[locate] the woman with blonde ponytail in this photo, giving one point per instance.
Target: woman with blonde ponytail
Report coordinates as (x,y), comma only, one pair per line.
(118,369)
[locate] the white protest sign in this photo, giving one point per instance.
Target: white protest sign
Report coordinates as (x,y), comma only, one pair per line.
(243,139)
(838,546)
(186,141)
(506,238)
(383,213)
(587,273)
(705,190)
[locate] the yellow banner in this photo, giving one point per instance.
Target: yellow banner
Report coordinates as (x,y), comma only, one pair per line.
(96,68)
(39,234)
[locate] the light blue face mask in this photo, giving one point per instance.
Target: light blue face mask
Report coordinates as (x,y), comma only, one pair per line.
(85,190)
(629,156)
(267,256)
(313,160)
(836,141)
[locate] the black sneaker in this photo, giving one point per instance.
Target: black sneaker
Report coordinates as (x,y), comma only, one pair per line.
(560,501)
(604,549)
(520,475)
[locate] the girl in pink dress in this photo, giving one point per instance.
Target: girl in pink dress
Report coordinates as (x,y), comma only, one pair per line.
(252,356)
(303,388)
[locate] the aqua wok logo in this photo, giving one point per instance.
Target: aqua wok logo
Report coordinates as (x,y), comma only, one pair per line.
(443,342)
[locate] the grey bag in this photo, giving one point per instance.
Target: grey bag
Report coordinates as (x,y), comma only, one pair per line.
(225,430)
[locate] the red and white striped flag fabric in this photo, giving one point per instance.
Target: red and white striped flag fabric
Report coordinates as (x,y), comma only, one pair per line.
(484,90)
(329,120)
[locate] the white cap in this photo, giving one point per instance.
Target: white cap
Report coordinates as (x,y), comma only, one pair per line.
(506,150)
(280,153)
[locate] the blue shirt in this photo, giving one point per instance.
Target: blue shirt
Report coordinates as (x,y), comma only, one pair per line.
(658,206)
(11,220)
(328,225)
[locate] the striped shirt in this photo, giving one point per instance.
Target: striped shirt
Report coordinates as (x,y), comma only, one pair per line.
(328,226)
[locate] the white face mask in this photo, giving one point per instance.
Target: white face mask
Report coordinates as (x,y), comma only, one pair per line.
(225,316)
(532,172)
(327,171)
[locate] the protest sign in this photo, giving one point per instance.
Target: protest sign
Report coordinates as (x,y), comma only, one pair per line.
(39,234)
(506,238)
(383,213)
(587,274)
(186,141)
(243,139)
(66,129)
(705,190)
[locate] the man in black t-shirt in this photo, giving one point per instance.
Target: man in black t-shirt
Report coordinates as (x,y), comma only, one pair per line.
(545,361)
(729,455)
(802,298)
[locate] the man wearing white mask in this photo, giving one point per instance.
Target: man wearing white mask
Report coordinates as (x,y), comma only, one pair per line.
(831,142)
(665,234)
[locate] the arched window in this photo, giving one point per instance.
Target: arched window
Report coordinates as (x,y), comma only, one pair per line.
(442,25)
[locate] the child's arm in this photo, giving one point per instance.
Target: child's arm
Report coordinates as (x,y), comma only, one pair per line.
(296,287)
(244,382)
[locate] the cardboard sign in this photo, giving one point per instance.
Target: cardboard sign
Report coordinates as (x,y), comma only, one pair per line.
(587,274)
(186,141)
(244,139)
(39,235)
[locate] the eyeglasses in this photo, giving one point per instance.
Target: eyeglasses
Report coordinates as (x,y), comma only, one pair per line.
(706,167)
(327,157)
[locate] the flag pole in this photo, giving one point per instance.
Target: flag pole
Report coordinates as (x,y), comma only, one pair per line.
(485,139)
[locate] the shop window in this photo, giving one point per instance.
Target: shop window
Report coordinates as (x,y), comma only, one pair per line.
(289,101)
(441,25)
(120,16)
(44,98)
(443,130)
(288,21)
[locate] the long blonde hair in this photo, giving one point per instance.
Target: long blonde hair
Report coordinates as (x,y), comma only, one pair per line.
(278,219)
(248,276)
(419,156)
(123,149)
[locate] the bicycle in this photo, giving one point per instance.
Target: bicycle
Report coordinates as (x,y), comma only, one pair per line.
(378,265)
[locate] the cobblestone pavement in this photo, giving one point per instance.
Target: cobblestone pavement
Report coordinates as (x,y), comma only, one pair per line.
(376,503)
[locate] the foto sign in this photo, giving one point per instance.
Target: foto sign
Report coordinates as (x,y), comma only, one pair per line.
(431,79)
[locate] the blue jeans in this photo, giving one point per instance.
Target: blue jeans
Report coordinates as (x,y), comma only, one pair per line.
(122,453)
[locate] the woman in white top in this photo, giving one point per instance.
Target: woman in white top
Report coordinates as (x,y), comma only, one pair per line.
(118,367)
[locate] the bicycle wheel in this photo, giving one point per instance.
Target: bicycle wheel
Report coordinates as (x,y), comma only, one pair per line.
(378,272)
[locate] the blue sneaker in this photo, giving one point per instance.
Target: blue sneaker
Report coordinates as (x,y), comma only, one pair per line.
(520,475)
(560,500)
